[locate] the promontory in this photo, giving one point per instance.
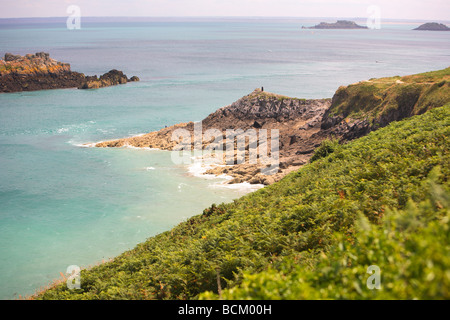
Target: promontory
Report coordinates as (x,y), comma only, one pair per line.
(304,124)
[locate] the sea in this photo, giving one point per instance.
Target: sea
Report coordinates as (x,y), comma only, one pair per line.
(64,204)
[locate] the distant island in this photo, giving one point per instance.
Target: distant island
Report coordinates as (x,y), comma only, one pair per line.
(433,26)
(40,72)
(340,24)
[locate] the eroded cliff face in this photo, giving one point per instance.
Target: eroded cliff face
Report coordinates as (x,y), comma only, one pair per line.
(39,71)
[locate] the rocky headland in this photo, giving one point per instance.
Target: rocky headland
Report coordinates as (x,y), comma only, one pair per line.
(340,24)
(39,72)
(304,124)
(433,26)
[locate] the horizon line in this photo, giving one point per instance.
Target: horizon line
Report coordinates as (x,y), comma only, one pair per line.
(226,17)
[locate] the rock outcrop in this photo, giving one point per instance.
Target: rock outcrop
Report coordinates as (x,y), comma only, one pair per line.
(354,111)
(39,71)
(111,78)
(359,108)
(296,119)
(36,72)
(340,24)
(433,26)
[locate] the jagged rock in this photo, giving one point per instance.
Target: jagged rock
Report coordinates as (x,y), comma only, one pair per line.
(111,78)
(11,57)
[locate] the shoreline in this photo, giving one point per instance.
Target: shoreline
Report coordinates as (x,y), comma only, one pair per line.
(204,173)
(297,121)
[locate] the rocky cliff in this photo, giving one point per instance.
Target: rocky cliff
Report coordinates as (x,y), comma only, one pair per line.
(296,119)
(36,72)
(303,125)
(368,105)
(39,71)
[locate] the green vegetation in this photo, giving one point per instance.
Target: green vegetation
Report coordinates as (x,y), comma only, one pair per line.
(326,148)
(411,248)
(264,95)
(378,99)
(380,200)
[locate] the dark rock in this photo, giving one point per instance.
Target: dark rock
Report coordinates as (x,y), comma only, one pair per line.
(39,72)
(257,125)
(433,26)
(11,57)
(340,24)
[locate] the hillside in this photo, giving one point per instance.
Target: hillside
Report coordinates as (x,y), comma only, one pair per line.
(359,108)
(382,199)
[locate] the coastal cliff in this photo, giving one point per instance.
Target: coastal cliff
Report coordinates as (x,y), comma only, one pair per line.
(39,72)
(359,108)
(354,111)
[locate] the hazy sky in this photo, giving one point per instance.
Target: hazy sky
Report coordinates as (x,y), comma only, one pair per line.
(390,9)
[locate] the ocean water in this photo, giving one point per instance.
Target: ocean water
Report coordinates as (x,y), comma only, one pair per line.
(62,204)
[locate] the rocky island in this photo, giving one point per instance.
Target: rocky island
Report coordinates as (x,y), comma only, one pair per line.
(433,26)
(39,72)
(340,24)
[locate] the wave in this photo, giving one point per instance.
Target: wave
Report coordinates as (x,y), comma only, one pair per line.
(128,146)
(200,166)
(244,186)
(83,145)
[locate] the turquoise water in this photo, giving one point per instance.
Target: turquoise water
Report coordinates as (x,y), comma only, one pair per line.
(62,204)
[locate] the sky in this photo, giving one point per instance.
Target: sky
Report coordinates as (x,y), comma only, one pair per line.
(389,9)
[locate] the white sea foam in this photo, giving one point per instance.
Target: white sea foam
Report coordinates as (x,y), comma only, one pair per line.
(83,145)
(129,146)
(244,186)
(149,168)
(62,130)
(199,167)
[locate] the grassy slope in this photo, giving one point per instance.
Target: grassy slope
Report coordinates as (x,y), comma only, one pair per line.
(412,244)
(290,226)
(281,233)
(378,99)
